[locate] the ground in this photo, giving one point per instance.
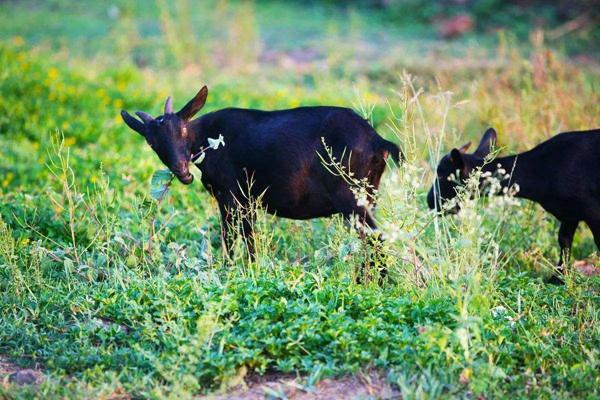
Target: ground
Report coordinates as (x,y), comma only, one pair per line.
(363,385)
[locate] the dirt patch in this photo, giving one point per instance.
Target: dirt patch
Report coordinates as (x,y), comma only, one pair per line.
(362,386)
(587,267)
(12,373)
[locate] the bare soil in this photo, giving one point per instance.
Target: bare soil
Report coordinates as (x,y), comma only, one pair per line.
(361,386)
(369,385)
(12,373)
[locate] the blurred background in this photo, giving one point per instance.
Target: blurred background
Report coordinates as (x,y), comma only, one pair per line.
(301,42)
(528,67)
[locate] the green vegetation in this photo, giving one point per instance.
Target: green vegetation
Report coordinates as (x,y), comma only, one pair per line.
(465,311)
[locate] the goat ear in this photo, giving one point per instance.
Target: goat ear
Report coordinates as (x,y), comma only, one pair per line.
(133,123)
(488,141)
(194,105)
(456,158)
(464,147)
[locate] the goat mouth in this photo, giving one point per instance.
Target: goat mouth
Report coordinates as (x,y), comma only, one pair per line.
(452,211)
(186,179)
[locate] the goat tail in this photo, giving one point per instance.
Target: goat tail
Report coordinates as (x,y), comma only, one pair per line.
(388,148)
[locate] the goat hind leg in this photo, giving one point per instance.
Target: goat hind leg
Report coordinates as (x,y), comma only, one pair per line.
(565,240)
(367,229)
(248,233)
(595,228)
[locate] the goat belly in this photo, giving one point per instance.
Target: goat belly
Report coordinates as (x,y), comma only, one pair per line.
(307,206)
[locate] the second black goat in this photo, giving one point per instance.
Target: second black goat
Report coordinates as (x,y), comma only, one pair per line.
(562,174)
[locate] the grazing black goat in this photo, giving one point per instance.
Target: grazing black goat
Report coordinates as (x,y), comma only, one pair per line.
(562,174)
(279,152)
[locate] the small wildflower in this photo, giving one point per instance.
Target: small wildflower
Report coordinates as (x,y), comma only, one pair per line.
(215,143)
(497,311)
(465,376)
(53,73)
(18,40)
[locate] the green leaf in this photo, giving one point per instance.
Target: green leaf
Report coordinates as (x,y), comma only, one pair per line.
(200,158)
(196,172)
(159,185)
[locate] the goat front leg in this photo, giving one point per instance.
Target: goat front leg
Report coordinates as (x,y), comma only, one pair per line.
(368,232)
(227,230)
(565,241)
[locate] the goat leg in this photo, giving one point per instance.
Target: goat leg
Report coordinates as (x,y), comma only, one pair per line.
(367,229)
(227,231)
(565,240)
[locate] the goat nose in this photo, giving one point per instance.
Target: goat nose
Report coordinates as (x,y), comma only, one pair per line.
(182,165)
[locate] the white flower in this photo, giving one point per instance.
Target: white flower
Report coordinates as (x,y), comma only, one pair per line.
(498,310)
(215,143)
(362,201)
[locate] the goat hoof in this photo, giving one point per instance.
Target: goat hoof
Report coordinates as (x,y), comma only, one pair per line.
(362,277)
(359,279)
(556,280)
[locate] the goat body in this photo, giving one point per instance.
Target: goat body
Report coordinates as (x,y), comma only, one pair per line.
(277,154)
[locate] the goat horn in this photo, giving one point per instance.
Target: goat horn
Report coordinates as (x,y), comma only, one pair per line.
(144,117)
(169,106)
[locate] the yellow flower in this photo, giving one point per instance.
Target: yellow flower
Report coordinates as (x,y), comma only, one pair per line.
(24,241)
(118,103)
(53,73)
(18,40)
(69,141)
(8,179)
(64,126)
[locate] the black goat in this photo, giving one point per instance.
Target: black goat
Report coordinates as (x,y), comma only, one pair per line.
(562,174)
(277,151)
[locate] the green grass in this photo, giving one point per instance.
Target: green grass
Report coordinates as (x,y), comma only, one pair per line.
(465,311)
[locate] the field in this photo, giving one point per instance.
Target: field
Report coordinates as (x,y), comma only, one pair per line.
(104,313)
